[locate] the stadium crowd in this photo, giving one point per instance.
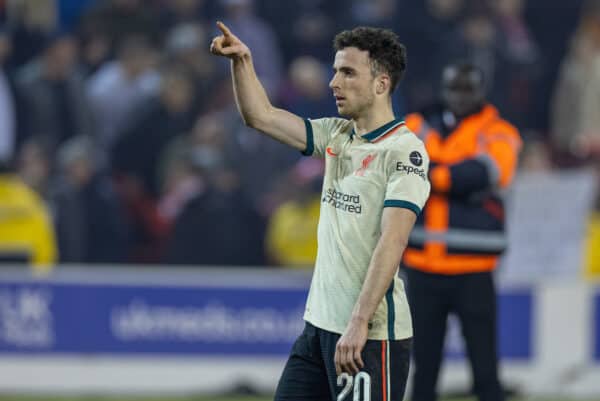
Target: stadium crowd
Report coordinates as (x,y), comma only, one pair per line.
(118,118)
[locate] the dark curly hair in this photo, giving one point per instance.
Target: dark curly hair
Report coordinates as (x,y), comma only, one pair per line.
(386,52)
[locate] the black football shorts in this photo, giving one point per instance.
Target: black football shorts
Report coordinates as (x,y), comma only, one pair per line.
(309,374)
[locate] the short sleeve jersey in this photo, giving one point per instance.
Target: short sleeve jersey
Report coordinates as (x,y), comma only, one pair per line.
(363,174)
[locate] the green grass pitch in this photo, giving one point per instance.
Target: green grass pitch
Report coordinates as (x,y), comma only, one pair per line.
(205,398)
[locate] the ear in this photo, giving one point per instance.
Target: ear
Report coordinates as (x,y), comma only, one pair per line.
(383,84)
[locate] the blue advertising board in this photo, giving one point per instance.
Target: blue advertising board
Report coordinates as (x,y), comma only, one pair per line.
(200,315)
(46,317)
(515,324)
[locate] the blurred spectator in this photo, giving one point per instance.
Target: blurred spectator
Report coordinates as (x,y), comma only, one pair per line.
(54,95)
(291,238)
(307,31)
(592,246)
(138,148)
(90,225)
(380,13)
(258,158)
(309,95)
(535,156)
(258,35)
(576,100)
(498,47)
(255,157)
(117,19)
(444,12)
(186,157)
(523,63)
(552,23)
(311,35)
(178,12)
(208,142)
(511,24)
(121,87)
(218,226)
(8,102)
(95,51)
(185,44)
(31,21)
(34,166)
(26,233)
(181,182)
(70,11)
(476,40)
(137,153)
(424,30)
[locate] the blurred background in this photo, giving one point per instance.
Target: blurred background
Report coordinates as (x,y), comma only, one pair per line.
(123,158)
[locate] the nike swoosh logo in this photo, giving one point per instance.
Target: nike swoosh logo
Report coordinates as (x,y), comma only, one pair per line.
(330,152)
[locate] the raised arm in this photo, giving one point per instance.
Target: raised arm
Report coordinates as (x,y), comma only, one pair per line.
(250,96)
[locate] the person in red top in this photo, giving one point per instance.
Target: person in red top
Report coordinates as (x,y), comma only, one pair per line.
(456,241)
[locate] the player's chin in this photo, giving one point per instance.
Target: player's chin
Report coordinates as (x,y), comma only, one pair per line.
(344,112)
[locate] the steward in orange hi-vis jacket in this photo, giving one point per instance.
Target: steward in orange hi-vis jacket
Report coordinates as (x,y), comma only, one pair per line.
(459,236)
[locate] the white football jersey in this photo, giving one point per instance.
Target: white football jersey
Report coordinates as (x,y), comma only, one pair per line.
(364,173)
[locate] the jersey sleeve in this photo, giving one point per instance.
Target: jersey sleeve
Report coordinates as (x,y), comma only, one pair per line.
(407,186)
(319,133)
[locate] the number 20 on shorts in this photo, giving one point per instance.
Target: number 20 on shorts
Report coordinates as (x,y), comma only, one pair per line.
(361,380)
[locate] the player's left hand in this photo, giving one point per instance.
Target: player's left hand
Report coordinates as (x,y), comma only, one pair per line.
(227,44)
(349,347)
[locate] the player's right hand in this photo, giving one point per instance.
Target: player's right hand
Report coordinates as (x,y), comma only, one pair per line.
(228,45)
(347,357)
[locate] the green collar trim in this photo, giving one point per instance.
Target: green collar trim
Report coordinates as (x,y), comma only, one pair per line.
(381,131)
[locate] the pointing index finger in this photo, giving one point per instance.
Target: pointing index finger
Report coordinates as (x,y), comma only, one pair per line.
(224,28)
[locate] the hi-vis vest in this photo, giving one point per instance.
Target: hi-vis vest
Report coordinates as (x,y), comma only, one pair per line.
(461,228)
(26,232)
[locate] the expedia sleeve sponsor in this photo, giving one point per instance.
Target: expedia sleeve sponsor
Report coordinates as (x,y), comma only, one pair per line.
(414,164)
(407,176)
(411,170)
(340,200)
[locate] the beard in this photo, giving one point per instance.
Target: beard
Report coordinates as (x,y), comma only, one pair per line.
(357,108)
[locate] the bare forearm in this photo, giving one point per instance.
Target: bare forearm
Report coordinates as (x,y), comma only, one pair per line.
(250,96)
(382,269)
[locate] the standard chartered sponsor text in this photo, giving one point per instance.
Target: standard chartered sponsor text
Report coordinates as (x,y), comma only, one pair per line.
(214,323)
(343,201)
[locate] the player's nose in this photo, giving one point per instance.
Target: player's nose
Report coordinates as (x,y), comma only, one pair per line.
(333,83)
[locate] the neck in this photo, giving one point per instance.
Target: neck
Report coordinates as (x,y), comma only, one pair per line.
(476,109)
(375,118)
